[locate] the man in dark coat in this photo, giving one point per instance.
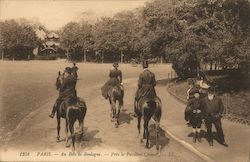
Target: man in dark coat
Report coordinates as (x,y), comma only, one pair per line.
(74,70)
(67,91)
(213,109)
(146,84)
(115,79)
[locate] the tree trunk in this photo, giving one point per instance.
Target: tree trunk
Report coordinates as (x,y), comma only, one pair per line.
(215,66)
(211,66)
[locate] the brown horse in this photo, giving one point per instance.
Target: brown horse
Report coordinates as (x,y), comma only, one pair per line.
(71,113)
(116,102)
(149,108)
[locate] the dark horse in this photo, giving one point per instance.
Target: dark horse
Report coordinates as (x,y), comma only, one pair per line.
(149,108)
(116,102)
(71,113)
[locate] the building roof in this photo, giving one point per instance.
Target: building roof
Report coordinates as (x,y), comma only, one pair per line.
(52,35)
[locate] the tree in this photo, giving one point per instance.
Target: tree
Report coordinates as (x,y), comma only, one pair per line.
(76,38)
(18,39)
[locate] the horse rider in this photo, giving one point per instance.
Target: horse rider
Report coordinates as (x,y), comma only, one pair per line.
(146,85)
(74,70)
(67,91)
(115,79)
(213,108)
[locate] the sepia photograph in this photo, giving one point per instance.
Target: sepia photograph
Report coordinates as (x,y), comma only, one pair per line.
(125,80)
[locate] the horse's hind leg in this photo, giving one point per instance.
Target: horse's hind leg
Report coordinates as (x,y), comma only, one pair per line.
(71,129)
(139,126)
(146,132)
(118,113)
(66,132)
(58,128)
(157,129)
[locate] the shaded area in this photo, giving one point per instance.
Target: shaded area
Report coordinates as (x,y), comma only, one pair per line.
(125,116)
(163,139)
(204,136)
(89,140)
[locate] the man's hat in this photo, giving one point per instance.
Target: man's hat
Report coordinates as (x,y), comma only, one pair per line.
(115,64)
(67,69)
(145,64)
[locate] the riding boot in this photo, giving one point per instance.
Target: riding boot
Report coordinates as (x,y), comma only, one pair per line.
(53,111)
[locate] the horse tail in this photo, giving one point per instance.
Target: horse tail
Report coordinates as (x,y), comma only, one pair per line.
(151,103)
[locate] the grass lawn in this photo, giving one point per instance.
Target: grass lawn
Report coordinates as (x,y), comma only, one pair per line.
(233,90)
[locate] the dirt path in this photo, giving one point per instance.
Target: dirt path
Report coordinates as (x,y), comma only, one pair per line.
(102,141)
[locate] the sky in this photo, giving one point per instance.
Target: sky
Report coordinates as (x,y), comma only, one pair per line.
(53,14)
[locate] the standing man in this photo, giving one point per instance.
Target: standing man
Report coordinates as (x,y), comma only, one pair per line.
(146,85)
(74,70)
(67,91)
(213,109)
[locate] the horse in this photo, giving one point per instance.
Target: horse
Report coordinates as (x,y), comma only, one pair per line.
(116,102)
(71,113)
(149,108)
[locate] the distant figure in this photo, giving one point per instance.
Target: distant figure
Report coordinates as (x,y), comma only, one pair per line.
(213,109)
(115,78)
(74,70)
(192,89)
(67,91)
(196,116)
(190,95)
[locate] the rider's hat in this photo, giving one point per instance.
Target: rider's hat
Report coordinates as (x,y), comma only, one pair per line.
(145,64)
(67,69)
(115,64)
(211,90)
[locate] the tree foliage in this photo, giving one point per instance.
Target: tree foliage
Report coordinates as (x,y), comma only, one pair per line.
(18,38)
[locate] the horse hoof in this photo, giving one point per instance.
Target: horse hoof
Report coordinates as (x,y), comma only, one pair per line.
(141,141)
(147,147)
(116,125)
(67,144)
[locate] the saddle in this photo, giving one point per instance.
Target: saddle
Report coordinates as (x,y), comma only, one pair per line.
(80,103)
(146,98)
